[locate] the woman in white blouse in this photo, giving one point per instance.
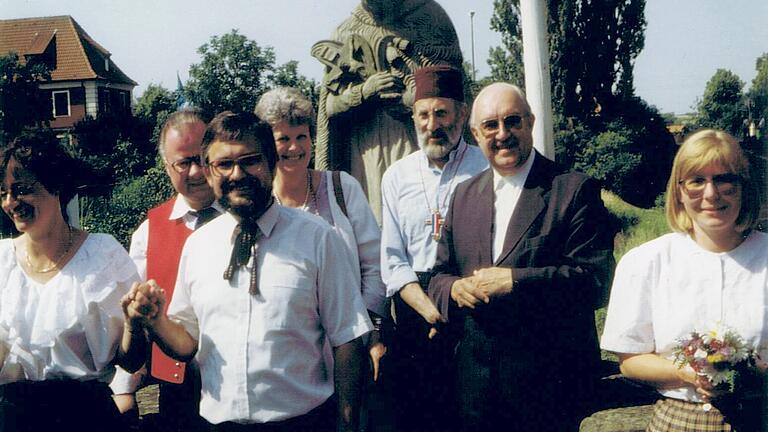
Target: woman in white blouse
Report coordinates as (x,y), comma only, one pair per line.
(292,118)
(712,270)
(62,329)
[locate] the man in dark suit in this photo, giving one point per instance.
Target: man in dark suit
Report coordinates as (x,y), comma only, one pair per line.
(522,264)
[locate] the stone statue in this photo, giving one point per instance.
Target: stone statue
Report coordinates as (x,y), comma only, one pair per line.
(364,115)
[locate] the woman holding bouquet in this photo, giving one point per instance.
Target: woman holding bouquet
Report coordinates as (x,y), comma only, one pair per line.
(711,271)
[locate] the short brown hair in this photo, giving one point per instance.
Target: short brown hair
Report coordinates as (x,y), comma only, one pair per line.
(705,148)
(230,126)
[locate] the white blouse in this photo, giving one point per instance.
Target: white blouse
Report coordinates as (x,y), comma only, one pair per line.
(668,287)
(69,327)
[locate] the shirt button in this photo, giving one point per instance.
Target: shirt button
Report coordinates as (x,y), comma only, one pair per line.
(177,364)
(175,375)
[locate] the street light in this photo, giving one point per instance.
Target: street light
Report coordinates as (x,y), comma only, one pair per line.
(472,38)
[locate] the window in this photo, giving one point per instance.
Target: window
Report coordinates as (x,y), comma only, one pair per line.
(61,103)
(105,104)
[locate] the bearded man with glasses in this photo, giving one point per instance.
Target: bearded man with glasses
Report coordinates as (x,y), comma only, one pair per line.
(263,294)
(156,248)
(522,263)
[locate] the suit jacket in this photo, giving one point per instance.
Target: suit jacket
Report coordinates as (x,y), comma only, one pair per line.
(559,245)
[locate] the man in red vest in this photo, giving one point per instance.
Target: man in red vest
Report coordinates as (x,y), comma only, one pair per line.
(155,248)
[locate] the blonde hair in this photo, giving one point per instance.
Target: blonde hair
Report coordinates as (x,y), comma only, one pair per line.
(706,148)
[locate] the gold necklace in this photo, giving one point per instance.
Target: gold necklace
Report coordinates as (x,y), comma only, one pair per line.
(56,262)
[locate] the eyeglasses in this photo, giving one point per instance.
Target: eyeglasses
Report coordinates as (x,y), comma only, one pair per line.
(491,126)
(251,163)
(183,165)
(18,190)
(725,184)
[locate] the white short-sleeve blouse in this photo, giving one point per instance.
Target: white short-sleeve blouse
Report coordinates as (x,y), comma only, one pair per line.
(668,287)
(70,327)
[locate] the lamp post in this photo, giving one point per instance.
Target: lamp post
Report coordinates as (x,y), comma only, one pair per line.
(472,39)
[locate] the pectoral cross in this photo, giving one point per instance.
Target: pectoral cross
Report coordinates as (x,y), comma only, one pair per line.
(436,223)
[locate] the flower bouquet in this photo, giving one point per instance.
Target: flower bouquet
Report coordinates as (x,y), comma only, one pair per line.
(718,355)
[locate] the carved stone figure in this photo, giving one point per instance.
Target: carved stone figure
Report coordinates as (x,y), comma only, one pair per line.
(364,116)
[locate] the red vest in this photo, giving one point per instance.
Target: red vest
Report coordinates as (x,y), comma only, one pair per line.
(164,244)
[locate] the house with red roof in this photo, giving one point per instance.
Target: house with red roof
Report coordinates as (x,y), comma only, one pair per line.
(84,79)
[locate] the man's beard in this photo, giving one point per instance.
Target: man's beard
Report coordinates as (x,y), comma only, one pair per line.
(436,151)
(260,197)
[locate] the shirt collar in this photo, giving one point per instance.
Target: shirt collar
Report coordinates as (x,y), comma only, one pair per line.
(517,179)
(181,207)
(268,220)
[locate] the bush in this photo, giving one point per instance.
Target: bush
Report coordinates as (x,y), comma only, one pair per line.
(608,157)
(627,147)
(120,213)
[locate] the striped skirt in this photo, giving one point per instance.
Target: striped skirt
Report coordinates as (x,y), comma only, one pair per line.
(672,415)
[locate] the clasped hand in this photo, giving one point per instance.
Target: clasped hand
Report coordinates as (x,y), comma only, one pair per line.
(143,304)
(482,286)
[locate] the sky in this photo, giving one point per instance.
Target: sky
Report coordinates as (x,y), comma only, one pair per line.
(152,41)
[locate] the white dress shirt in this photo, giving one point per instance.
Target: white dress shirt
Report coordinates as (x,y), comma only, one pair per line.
(262,357)
(70,326)
(411,189)
(140,237)
(506,192)
(669,287)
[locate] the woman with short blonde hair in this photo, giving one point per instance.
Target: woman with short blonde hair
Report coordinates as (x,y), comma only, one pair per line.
(712,271)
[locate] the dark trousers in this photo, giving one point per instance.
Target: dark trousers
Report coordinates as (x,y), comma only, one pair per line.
(178,405)
(507,387)
(34,406)
(424,391)
(320,419)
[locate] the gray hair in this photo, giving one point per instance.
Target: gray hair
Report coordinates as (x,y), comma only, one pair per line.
(178,120)
(286,104)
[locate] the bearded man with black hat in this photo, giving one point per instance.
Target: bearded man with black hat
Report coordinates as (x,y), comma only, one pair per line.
(416,191)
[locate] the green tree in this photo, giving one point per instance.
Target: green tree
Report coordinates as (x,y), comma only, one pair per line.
(507,62)
(601,126)
(120,212)
(153,107)
(592,43)
(288,75)
(609,158)
(22,103)
(117,147)
(758,92)
(722,105)
(153,101)
(235,71)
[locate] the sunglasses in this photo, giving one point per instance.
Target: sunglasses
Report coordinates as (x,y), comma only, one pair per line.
(491,126)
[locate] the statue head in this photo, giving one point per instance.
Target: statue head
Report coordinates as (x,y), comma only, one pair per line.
(387,11)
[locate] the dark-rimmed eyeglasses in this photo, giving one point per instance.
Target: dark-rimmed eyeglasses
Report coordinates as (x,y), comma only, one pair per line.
(251,163)
(725,184)
(184,165)
(19,190)
(491,126)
